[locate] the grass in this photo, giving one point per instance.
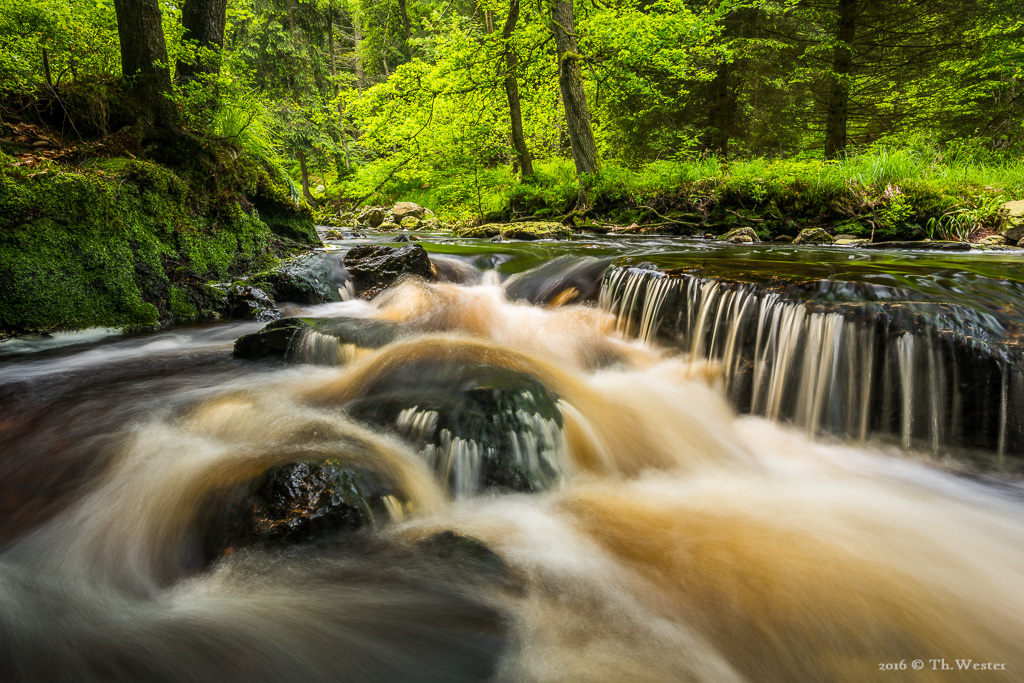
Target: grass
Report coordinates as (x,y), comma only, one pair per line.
(900,191)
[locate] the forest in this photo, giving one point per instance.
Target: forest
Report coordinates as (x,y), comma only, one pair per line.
(899,113)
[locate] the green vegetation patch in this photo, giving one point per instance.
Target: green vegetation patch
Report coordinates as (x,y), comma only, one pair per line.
(134,248)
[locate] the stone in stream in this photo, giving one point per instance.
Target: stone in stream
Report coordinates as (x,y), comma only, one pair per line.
(410,223)
(530,230)
(371,216)
(741,236)
(310,279)
(373,267)
(279,338)
(403,210)
(920,246)
(813,236)
(477,426)
(305,500)
(251,302)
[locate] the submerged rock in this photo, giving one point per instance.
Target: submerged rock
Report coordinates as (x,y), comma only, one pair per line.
(813,236)
(310,279)
(301,501)
(373,268)
(280,337)
(531,230)
(740,236)
(921,246)
(478,426)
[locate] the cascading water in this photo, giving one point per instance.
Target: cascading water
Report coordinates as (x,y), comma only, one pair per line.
(559,502)
(907,368)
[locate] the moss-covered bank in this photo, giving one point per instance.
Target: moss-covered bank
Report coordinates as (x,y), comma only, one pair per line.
(129,243)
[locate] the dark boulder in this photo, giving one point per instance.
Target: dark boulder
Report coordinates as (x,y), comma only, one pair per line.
(310,279)
(477,426)
(374,267)
(252,303)
(277,338)
(302,501)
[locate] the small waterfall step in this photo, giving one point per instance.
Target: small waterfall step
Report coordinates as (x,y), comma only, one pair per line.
(928,355)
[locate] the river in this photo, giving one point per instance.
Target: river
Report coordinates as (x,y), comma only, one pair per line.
(727,464)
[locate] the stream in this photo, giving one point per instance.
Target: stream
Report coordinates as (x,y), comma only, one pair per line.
(610,459)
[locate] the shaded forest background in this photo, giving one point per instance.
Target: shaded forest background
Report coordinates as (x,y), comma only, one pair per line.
(489,108)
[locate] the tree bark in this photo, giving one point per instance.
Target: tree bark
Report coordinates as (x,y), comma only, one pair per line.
(303,167)
(203,21)
(842,66)
(144,65)
(512,92)
(722,106)
(357,40)
(570,83)
(406,31)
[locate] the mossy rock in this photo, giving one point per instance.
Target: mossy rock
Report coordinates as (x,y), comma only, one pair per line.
(813,236)
(410,223)
(531,230)
(1011,224)
(745,235)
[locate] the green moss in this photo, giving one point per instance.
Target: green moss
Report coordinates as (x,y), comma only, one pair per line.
(87,248)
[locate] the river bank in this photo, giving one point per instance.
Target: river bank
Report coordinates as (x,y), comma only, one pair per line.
(119,241)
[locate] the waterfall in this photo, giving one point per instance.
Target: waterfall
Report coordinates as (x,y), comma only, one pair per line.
(853,369)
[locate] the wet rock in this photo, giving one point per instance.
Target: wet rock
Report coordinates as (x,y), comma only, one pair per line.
(373,268)
(785,239)
(921,246)
(277,338)
(531,230)
(334,235)
(389,226)
(410,223)
(309,279)
(567,279)
(308,500)
(405,238)
(813,236)
(371,215)
(477,426)
(1011,224)
(403,210)
(744,235)
(252,303)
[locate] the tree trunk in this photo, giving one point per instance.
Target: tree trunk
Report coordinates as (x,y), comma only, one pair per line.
(305,178)
(406,32)
(203,21)
(512,91)
(577,114)
(144,65)
(357,39)
(842,66)
(722,107)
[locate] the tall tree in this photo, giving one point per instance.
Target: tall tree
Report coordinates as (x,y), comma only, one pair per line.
(842,66)
(512,92)
(144,65)
(203,21)
(574,99)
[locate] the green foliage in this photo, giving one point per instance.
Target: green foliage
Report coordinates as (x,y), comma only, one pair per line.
(85,248)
